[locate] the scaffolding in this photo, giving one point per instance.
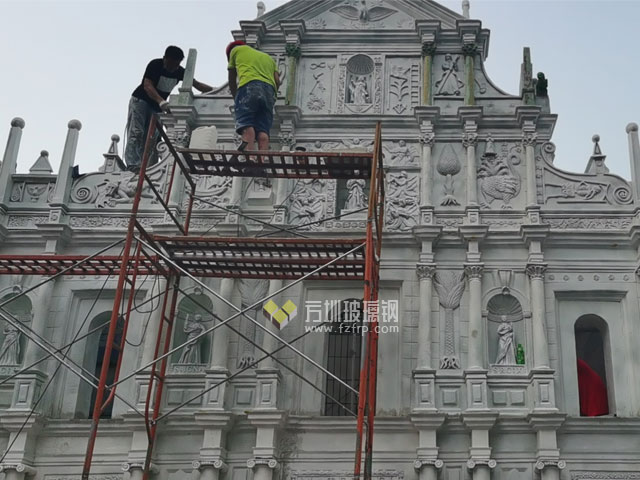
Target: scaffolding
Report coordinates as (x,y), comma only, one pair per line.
(174,257)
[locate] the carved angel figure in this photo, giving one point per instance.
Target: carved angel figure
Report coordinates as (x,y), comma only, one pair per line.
(362,12)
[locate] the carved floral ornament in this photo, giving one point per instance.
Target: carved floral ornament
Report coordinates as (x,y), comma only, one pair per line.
(536,271)
(420,463)
(427,271)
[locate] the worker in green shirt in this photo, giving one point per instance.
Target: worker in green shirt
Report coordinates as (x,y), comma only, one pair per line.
(253,81)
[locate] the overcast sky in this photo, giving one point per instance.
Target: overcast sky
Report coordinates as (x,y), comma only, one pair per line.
(81,59)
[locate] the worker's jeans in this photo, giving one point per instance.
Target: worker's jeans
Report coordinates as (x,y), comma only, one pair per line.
(137,125)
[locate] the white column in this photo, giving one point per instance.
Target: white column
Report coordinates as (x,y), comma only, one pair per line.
(221,334)
(427,139)
(64,181)
(529,137)
(10,159)
(634,158)
(469,141)
(41,302)
(540,347)
(269,343)
(474,273)
(425,273)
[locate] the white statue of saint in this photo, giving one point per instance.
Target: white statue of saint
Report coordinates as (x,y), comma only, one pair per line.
(506,349)
(355,197)
(192,327)
(10,350)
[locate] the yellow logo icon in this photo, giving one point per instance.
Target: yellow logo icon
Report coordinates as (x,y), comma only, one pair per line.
(280,317)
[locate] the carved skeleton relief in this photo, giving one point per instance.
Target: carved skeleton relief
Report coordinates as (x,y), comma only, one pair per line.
(402,202)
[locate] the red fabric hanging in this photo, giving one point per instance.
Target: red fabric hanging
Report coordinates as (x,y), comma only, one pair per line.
(593,392)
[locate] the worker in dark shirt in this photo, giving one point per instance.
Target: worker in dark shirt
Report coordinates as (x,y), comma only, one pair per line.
(160,77)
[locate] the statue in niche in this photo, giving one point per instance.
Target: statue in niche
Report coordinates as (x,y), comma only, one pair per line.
(505,310)
(449,83)
(251,291)
(506,350)
(10,350)
(356,198)
(358,91)
(193,327)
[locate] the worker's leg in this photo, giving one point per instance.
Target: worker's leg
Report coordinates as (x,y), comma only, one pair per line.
(263,141)
(249,135)
(137,124)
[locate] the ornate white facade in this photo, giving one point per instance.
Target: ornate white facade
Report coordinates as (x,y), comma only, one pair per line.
(494,254)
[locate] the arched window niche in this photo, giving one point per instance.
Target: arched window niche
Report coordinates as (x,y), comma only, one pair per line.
(344,354)
(93,358)
(593,358)
(506,330)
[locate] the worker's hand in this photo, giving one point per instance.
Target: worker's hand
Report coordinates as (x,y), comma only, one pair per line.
(164,106)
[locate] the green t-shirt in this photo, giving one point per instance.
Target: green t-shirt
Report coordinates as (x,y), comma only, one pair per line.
(251,64)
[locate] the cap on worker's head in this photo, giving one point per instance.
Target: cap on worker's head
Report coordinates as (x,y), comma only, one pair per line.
(231,46)
(174,52)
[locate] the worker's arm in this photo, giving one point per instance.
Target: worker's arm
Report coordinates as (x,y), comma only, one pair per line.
(202,87)
(276,77)
(151,91)
(233,81)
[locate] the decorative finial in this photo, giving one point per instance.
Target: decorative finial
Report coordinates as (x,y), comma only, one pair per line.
(261,9)
(113,148)
(465,8)
(632,127)
(596,162)
(17,122)
(596,147)
(74,125)
(42,164)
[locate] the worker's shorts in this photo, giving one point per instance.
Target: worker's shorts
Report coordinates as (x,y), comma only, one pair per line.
(254,107)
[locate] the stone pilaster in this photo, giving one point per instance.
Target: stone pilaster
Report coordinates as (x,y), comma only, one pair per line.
(212,461)
(264,460)
(426,117)
(427,463)
(548,463)
(289,118)
(23,433)
(476,336)
(221,334)
(480,462)
(428,31)
(293,31)
(527,117)
(536,272)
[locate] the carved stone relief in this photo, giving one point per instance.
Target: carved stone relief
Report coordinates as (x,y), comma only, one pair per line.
(497,176)
(321,81)
(449,82)
(401,213)
(450,286)
(400,154)
(251,291)
(32,192)
(448,166)
(311,201)
(363,14)
(564,188)
(108,190)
